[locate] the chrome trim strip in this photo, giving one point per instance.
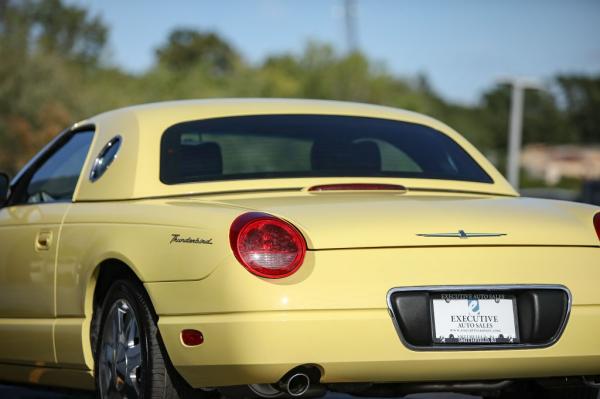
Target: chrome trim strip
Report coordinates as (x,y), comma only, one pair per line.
(490,287)
(461,234)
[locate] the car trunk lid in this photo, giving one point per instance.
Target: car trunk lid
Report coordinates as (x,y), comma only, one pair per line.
(334,220)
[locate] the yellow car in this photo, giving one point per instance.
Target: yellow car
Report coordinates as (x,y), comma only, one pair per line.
(286,248)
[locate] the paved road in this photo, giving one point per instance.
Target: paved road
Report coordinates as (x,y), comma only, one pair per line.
(18,392)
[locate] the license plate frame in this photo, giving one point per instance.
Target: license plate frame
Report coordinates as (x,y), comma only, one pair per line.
(479,320)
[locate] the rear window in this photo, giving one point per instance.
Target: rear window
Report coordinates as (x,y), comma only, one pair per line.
(280,146)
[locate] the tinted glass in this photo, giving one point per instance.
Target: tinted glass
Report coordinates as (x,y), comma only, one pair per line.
(4,187)
(56,179)
(272,146)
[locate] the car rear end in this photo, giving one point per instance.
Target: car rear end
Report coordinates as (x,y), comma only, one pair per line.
(375,256)
(348,316)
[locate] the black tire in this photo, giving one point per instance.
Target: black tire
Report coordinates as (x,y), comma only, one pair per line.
(126,304)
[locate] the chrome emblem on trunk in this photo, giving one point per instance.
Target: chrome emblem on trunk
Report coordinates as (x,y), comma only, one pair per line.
(461,234)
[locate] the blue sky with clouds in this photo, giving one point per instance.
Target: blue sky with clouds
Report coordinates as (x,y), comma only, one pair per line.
(463,46)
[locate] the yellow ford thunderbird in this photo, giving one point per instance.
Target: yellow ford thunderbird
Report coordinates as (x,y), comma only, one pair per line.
(287,248)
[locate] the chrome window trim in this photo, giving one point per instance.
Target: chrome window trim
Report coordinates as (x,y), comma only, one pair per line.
(490,287)
(93,176)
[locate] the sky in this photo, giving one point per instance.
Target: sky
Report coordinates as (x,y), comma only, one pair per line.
(463,46)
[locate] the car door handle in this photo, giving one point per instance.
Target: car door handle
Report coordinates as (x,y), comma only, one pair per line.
(43,240)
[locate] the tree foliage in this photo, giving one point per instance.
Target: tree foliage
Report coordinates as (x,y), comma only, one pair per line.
(52,74)
(582,106)
(45,46)
(187,48)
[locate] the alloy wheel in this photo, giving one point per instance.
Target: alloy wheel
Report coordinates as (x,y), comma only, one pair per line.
(120,359)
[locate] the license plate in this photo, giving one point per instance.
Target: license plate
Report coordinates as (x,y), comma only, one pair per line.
(474,319)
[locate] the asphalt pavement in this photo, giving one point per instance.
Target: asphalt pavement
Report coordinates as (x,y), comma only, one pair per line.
(22,392)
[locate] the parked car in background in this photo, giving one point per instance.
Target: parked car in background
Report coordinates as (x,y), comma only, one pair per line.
(284,248)
(590,192)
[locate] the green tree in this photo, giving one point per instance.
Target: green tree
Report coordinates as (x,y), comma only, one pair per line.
(543,120)
(582,105)
(52,74)
(186,48)
(50,26)
(45,47)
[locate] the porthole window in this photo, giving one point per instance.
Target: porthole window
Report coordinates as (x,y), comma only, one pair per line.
(106,156)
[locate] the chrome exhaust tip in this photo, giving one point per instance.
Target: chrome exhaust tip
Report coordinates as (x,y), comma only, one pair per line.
(295,385)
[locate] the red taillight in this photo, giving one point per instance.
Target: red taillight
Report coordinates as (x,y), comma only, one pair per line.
(267,246)
(597,224)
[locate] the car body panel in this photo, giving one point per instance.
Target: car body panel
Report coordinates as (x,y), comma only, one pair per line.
(32,282)
(27,291)
(259,329)
(396,220)
(332,280)
(359,345)
(128,234)
(48,376)
(27,341)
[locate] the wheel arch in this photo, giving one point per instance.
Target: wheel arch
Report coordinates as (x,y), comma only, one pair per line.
(99,282)
(107,271)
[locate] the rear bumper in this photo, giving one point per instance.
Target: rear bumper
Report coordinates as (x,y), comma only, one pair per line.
(333,314)
(359,346)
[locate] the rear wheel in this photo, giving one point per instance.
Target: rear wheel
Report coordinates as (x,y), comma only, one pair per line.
(130,361)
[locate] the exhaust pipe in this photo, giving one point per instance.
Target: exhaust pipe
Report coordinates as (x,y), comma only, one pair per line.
(295,385)
(301,381)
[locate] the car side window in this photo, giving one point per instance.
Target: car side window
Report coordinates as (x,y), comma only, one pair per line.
(56,178)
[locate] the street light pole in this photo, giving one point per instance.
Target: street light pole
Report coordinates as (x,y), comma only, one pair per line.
(515,129)
(515,134)
(350,25)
